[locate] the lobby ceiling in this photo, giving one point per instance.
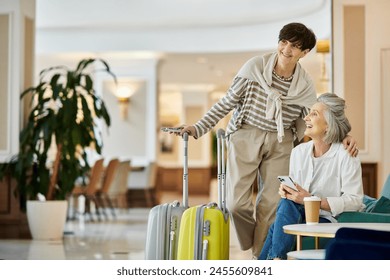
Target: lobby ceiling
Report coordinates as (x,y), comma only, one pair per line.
(197,41)
(149,15)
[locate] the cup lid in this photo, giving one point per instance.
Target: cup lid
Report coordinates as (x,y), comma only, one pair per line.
(312,198)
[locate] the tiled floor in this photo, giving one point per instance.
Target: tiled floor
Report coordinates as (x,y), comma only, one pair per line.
(120,239)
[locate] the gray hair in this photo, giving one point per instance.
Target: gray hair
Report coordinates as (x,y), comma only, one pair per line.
(338,124)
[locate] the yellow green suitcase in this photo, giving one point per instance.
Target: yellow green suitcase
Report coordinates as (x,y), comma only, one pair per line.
(204,229)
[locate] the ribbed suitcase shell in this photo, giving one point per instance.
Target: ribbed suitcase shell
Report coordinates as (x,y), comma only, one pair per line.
(217,240)
(163,231)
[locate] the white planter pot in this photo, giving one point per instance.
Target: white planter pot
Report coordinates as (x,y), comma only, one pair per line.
(46,219)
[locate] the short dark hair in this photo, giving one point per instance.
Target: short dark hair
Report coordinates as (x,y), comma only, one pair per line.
(299,34)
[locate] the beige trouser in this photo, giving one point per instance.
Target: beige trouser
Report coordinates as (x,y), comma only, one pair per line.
(251,150)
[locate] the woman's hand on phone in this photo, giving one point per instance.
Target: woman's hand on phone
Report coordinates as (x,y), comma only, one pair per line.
(296,196)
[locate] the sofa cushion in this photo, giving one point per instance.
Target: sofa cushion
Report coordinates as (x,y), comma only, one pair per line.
(382,206)
(369,202)
(386,188)
(363,217)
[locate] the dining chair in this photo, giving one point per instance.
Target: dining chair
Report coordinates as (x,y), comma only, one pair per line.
(108,179)
(119,188)
(145,181)
(89,190)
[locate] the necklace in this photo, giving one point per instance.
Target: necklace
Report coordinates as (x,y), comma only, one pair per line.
(281,77)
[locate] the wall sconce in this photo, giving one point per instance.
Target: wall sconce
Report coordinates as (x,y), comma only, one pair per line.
(323,47)
(123,93)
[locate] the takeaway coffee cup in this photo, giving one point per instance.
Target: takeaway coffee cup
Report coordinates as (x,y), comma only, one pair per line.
(312,209)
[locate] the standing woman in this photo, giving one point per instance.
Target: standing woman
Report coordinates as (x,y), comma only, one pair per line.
(270,95)
(320,167)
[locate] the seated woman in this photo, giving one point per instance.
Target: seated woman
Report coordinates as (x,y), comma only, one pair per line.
(320,167)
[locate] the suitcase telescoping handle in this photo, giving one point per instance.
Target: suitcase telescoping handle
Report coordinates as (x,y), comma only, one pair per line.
(221,169)
(185,170)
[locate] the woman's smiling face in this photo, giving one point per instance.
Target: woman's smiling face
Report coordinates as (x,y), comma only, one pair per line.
(316,125)
(290,53)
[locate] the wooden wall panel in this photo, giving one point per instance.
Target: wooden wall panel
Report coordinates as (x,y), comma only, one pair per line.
(171,179)
(13,222)
(354,70)
(370,178)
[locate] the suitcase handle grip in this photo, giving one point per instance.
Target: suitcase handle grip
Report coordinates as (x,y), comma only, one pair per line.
(220,133)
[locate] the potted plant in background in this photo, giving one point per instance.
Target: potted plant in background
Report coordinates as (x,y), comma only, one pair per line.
(62,122)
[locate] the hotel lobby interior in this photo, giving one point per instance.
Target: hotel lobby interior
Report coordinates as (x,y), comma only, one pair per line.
(173,62)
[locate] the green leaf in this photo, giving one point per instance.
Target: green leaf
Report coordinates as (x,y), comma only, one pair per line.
(88,83)
(108,70)
(76,135)
(105,114)
(83,64)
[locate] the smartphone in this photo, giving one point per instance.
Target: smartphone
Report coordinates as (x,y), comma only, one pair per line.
(172,129)
(286,180)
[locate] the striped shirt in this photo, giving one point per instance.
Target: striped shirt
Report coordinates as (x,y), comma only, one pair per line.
(248,99)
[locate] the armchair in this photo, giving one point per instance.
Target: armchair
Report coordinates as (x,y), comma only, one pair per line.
(359,244)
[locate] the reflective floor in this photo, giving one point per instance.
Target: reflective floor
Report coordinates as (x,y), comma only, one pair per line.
(122,238)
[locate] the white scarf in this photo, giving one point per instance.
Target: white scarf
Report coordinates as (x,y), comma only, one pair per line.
(301,91)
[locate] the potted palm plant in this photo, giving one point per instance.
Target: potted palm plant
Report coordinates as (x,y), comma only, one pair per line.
(62,121)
